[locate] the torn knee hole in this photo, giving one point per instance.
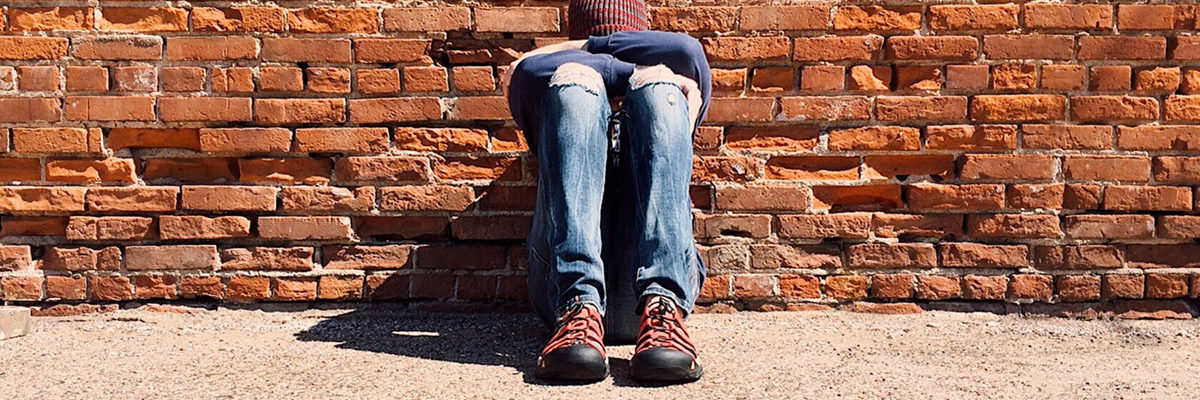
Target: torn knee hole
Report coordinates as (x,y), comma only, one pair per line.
(643,76)
(579,74)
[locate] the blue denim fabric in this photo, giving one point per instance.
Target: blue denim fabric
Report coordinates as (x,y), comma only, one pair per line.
(611,227)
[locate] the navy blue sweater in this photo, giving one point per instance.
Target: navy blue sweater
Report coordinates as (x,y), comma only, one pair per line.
(614,56)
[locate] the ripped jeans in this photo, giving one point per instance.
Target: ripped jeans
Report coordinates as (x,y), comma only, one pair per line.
(613,219)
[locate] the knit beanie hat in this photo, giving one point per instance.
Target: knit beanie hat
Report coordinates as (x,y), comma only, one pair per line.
(603,17)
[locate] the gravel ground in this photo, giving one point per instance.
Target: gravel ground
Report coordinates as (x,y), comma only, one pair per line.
(395,353)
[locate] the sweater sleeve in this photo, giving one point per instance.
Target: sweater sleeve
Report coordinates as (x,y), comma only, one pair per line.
(681,53)
(531,79)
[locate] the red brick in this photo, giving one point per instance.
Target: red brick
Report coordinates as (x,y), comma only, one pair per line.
(383,169)
(425,79)
(1179,226)
(425,19)
(1032,107)
(232,80)
(1147,198)
(1063,77)
(309,171)
(55,140)
(38,78)
(112,169)
(32,48)
(390,110)
(201,227)
(132,199)
(66,287)
(777,79)
(873,197)
(1064,16)
(971,137)
(1158,137)
(1078,287)
(918,225)
(111,288)
(744,225)
(298,288)
(692,18)
(975,255)
(1159,79)
(1106,168)
(173,257)
(925,78)
(992,18)
(877,18)
(921,108)
(155,287)
(961,48)
(391,51)
(245,140)
(306,50)
(304,228)
(893,286)
(87,79)
(88,108)
(839,225)
(378,81)
(870,78)
(204,109)
(248,288)
(1110,227)
(1014,77)
(1031,287)
(846,287)
(785,17)
(836,48)
(1122,48)
(238,19)
(741,109)
(201,286)
(1013,226)
(930,196)
(1030,196)
(1036,46)
(1078,257)
(875,138)
(469,257)
(49,199)
(426,198)
(1147,17)
(808,168)
(182,79)
(1067,137)
(477,168)
(514,19)
(299,111)
(1007,167)
(268,259)
(981,287)
(755,286)
(1166,286)
(899,255)
(143,19)
(1114,108)
(1123,286)
(480,108)
(967,77)
(51,19)
(938,287)
(819,109)
(229,198)
(212,48)
(333,20)
(745,49)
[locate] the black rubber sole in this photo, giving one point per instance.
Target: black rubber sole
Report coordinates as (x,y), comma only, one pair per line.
(661,365)
(578,363)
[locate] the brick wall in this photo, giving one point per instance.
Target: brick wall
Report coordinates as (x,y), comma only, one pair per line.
(1007,152)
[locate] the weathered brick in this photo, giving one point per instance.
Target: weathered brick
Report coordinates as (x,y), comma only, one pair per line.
(173,257)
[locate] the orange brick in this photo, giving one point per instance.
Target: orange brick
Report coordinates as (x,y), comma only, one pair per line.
(333,20)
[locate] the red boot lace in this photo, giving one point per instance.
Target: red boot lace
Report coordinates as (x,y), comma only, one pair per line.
(579,325)
(662,326)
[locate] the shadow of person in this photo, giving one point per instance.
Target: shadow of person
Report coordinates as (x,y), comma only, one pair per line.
(504,339)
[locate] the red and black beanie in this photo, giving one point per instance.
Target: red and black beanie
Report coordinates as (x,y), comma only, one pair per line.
(603,17)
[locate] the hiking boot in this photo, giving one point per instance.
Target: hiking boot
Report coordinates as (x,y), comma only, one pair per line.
(576,352)
(664,351)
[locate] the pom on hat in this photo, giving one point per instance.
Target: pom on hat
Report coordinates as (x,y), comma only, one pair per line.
(603,17)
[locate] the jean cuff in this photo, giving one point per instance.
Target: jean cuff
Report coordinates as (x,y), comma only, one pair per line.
(685,308)
(584,298)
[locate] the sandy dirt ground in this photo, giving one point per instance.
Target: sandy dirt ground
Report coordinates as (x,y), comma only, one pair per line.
(386,352)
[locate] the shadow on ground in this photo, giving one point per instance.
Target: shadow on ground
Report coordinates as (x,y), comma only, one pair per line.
(512,340)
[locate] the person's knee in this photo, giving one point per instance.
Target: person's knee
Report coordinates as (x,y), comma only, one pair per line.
(643,76)
(578,74)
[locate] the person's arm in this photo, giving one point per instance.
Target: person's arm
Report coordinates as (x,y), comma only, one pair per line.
(681,53)
(529,79)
